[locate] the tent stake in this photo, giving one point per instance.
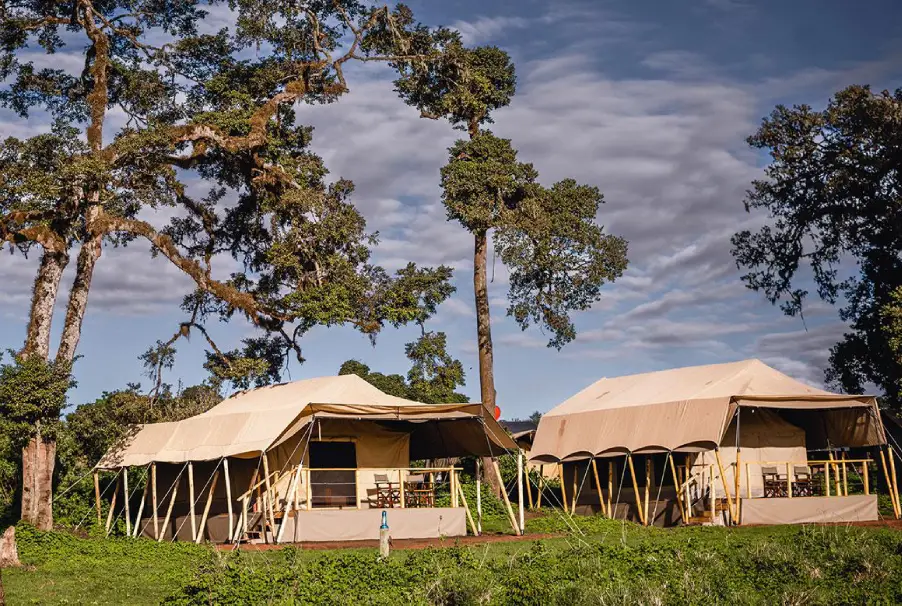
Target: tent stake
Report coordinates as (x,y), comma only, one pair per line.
(109,517)
(507,501)
(679,487)
(97,496)
(175,490)
(203,518)
(153,493)
(598,485)
(191,500)
(629,460)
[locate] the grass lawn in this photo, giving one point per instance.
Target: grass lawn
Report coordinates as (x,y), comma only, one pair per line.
(603,562)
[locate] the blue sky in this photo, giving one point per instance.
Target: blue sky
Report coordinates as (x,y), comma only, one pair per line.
(650,101)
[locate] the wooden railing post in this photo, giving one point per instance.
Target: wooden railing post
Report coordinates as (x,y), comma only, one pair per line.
(864,477)
(789,479)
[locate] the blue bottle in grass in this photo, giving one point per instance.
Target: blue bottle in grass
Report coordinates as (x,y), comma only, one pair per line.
(384,539)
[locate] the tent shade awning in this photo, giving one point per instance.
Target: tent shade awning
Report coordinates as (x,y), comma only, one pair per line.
(686,410)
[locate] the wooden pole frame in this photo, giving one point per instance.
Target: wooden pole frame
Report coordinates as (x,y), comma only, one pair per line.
(97,497)
(889,484)
(137,527)
(560,471)
(109,516)
(611,511)
(228,491)
(191,500)
(128,515)
(864,477)
(463,499)
(726,485)
(679,488)
(895,487)
(598,486)
(520,505)
(154,502)
(291,487)
(845,479)
(507,502)
(649,475)
(573,493)
(540,488)
(639,508)
(479,469)
(203,518)
(268,497)
(738,473)
(175,491)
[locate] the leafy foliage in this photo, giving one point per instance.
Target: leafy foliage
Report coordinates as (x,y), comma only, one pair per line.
(833,192)
(32,394)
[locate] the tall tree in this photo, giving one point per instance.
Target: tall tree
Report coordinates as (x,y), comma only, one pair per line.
(833,192)
(196,106)
(557,254)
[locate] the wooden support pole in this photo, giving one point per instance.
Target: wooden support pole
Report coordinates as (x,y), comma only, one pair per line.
(463,499)
(309,486)
(639,508)
(109,516)
(401,486)
(892,467)
(678,487)
(573,494)
(191,500)
(137,527)
(507,502)
(649,479)
(267,499)
(789,479)
(154,502)
(528,488)
(889,484)
(175,491)
(560,472)
(285,517)
(738,474)
(203,517)
(455,482)
(540,488)
(598,486)
(611,489)
(357,492)
(128,515)
(711,492)
(726,486)
(520,504)
(748,482)
(479,469)
(864,477)
(228,491)
(97,497)
(845,479)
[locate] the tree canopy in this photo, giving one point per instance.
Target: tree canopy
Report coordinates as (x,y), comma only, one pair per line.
(833,192)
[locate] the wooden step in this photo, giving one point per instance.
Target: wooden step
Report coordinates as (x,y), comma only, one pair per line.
(702,519)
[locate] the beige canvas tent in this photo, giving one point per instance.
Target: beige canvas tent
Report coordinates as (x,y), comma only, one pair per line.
(316,459)
(729,439)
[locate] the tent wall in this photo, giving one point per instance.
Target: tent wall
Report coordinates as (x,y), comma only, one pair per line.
(764,436)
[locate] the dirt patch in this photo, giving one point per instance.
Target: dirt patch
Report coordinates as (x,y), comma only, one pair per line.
(401,544)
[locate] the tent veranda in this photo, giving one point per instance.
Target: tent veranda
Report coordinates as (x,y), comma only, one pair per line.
(719,419)
(263,457)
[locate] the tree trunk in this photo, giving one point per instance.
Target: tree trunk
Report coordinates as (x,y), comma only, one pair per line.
(39,455)
(484,340)
(78,300)
(9,555)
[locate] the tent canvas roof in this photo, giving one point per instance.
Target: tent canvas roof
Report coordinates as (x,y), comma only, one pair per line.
(671,409)
(254,421)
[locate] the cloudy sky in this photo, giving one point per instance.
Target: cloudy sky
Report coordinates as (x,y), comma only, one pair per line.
(651,101)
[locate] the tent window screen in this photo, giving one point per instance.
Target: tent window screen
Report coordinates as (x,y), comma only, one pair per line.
(333,479)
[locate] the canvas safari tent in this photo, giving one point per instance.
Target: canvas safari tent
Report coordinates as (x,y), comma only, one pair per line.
(316,459)
(725,443)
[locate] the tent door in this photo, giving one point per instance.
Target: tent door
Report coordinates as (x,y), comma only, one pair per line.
(333,477)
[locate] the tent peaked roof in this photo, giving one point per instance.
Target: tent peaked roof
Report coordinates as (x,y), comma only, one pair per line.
(682,408)
(254,421)
(749,380)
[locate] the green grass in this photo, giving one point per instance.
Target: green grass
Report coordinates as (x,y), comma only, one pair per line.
(601,562)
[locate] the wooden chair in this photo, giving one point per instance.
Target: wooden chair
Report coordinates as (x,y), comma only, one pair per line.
(388,493)
(773,485)
(802,487)
(419,492)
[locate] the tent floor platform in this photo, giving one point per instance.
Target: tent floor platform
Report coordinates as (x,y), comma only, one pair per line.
(809,510)
(363,524)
